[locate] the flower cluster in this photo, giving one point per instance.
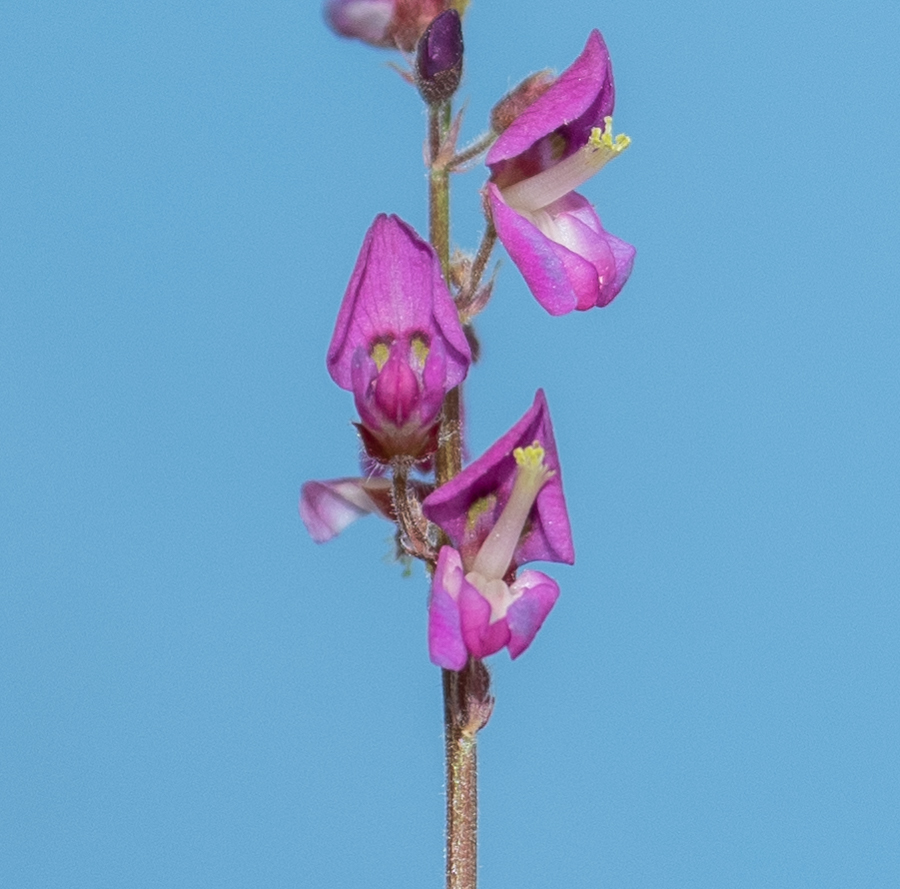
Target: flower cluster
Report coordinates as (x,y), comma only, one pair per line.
(403,342)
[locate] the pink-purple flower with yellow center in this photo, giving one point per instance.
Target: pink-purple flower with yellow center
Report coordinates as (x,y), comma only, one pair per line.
(553,234)
(398,344)
(503,510)
(327,507)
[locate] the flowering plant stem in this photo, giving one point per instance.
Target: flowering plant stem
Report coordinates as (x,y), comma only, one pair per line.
(404,342)
(439,186)
(462,782)
(459,735)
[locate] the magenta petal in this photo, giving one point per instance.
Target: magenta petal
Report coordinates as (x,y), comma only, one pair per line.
(543,263)
(526,615)
(481,636)
(363,373)
(433,375)
(585,267)
(396,391)
(398,343)
(396,291)
(328,507)
(445,640)
(488,482)
(580,98)
(579,228)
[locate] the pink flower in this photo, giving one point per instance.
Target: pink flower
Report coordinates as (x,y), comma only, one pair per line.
(467,619)
(327,507)
(366,20)
(392,24)
(503,510)
(398,344)
(552,234)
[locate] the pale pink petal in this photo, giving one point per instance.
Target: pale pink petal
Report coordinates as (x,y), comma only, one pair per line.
(526,615)
(481,636)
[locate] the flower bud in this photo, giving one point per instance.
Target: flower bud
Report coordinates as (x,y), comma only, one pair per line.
(439,58)
(366,20)
(412,17)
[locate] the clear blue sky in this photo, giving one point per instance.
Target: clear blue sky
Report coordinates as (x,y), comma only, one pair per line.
(194,694)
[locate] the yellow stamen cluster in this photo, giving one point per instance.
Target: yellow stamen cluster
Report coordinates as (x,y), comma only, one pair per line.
(536,192)
(603,139)
(531,456)
(530,461)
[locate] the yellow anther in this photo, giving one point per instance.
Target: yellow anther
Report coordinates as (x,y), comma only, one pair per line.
(380,354)
(531,457)
(478,509)
(533,471)
(420,349)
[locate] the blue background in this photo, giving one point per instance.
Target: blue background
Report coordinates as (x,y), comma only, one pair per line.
(194,694)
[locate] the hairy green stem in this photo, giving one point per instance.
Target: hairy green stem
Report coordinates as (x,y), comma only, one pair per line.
(467,295)
(439,186)
(471,152)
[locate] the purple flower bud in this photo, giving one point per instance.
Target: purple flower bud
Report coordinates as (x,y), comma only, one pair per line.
(439,58)
(412,17)
(398,344)
(503,510)
(552,234)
